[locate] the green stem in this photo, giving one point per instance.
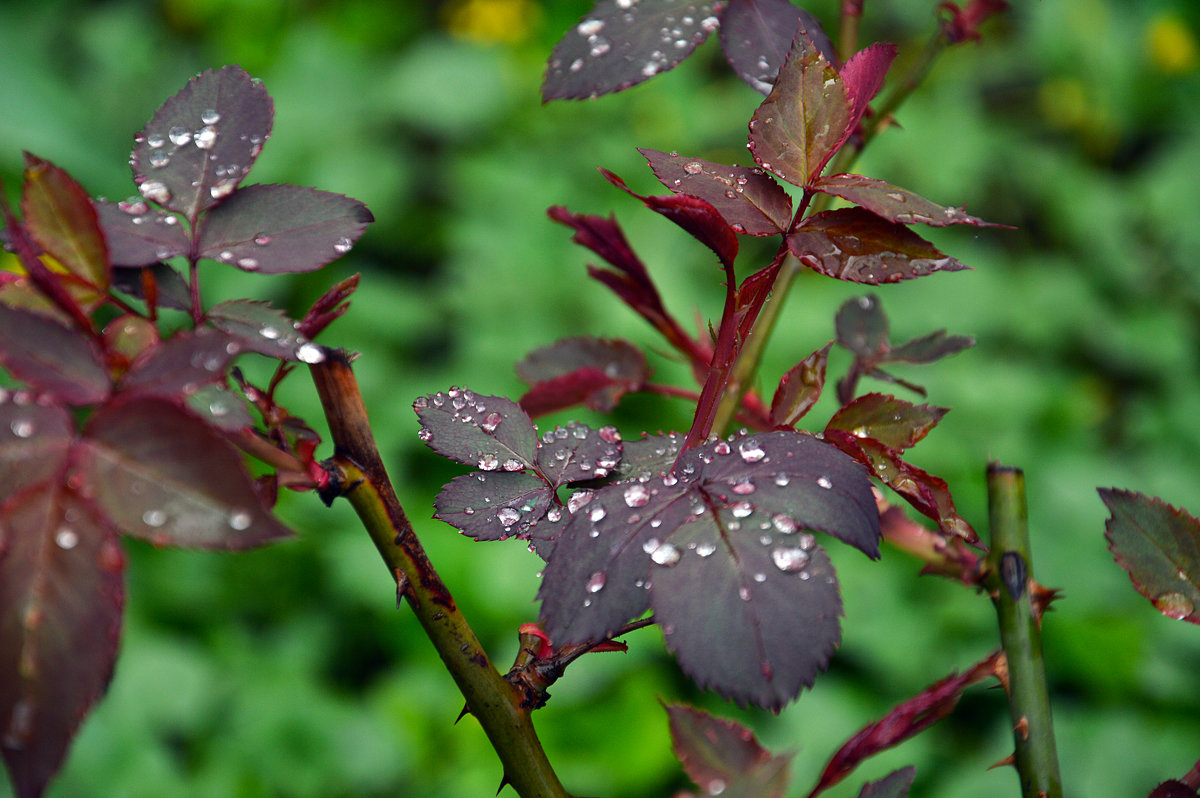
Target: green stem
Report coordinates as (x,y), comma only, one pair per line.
(1008,579)
(360,476)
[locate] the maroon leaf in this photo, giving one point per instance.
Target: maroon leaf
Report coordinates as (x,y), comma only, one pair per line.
(696,216)
(856,245)
(489,432)
(577,453)
(621,43)
(596,372)
(723,757)
(170,289)
(220,407)
(162,474)
(328,307)
(1172,789)
(651,455)
(891,421)
(747,198)
(903,722)
(804,119)
(61,220)
(493,506)
(181,364)
(863,76)
(258,327)
(51,357)
(202,141)
(1159,547)
(139,235)
(275,229)
(61,595)
(963,24)
(34,440)
(862,326)
(929,348)
(893,203)
(757,34)
(716,548)
(894,785)
(799,389)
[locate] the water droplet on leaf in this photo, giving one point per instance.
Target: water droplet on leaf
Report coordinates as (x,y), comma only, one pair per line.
(783,523)
(596,583)
(665,555)
(343,245)
(239,520)
(206,137)
(155,191)
(22,427)
(66,539)
(1174,605)
(789,560)
(597,514)
(824,482)
(507,516)
(154,518)
(179,135)
(751,452)
(489,462)
(310,353)
(636,495)
(210,117)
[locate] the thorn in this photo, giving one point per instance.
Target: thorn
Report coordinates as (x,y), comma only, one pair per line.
(504,782)
(1011,759)
(1000,671)
(1022,727)
(401,586)
(466,710)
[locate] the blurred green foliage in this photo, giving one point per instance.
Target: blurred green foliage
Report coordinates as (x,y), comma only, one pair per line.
(288,671)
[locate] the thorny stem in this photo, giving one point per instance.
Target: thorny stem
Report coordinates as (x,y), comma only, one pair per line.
(1008,580)
(359,474)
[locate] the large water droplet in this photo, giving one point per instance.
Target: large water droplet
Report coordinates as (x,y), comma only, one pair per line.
(507,516)
(155,140)
(1174,605)
(783,523)
(155,191)
(310,353)
(596,583)
(210,116)
(425,434)
(222,188)
(789,560)
(597,514)
(179,135)
(270,333)
(154,518)
(636,495)
(824,483)
(665,555)
(741,509)
(722,448)
(66,538)
(693,167)
(489,462)
(513,465)
(262,239)
(342,245)
(705,549)
(22,427)
(578,499)
(590,27)
(249,264)
(609,434)
(782,479)
(239,520)
(744,488)
(206,137)
(751,452)
(491,422)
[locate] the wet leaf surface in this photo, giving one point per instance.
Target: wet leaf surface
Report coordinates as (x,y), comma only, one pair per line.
(1159,547)
(893,422)
(756,36)
(258,327)
(34,440)
(139,235)
(182,363)
(595,372)
(723,757)
(490,433)
(799,389)
(621,43)
(493,506)
(52,357)
(893,203)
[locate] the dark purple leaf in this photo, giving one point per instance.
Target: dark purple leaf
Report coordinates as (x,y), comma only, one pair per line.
(1159,547)
(489,432)
(577,453)
(497,506)
(893,203)
(61,596)
(181,364)
(61,220)
(804,119)
(275,229)
(202,141)
(717,544)
(863,76)
(747,198)
(220,407)
(596,372)
(1172,789)
(891,421)
(171,290)
(52,357)
(756,36)
(621,43)
(696,216)
(894,785)
(862,326)
(164,475)
(258,327)
(929,348)
(856,245)
(651,455)
(139,235)
(723,757)
(34,440)
(799,389)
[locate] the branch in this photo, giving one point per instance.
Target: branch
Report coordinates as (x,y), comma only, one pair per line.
(358,474)
(1008,580)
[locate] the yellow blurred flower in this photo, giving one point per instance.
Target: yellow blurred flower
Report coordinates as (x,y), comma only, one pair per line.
(1171,45)
(492,21)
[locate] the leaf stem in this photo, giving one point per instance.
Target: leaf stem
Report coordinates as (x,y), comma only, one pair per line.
(358,469)
(1008,579)
(848,39)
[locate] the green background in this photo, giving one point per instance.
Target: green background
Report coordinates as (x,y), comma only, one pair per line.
(289,672)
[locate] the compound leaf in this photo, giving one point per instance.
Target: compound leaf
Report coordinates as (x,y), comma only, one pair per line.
(748,198)
(1159,547)
(51,357)
(621,43)
(164,475)
(275,229)
(61,596)
(489,432)
(856,245)
(202,141)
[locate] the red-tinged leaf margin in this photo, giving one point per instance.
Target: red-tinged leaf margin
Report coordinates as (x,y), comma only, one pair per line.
(592,371)
(863,76)
(905,721)
(894,203)
(34,441)
(799,389)
(52,357)
(61,220)
(747,198)
(61,598)
(722,755)
(858,246)
(893,422)
(1158,545)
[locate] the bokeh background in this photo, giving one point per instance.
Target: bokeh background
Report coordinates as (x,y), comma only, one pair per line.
(289,672)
